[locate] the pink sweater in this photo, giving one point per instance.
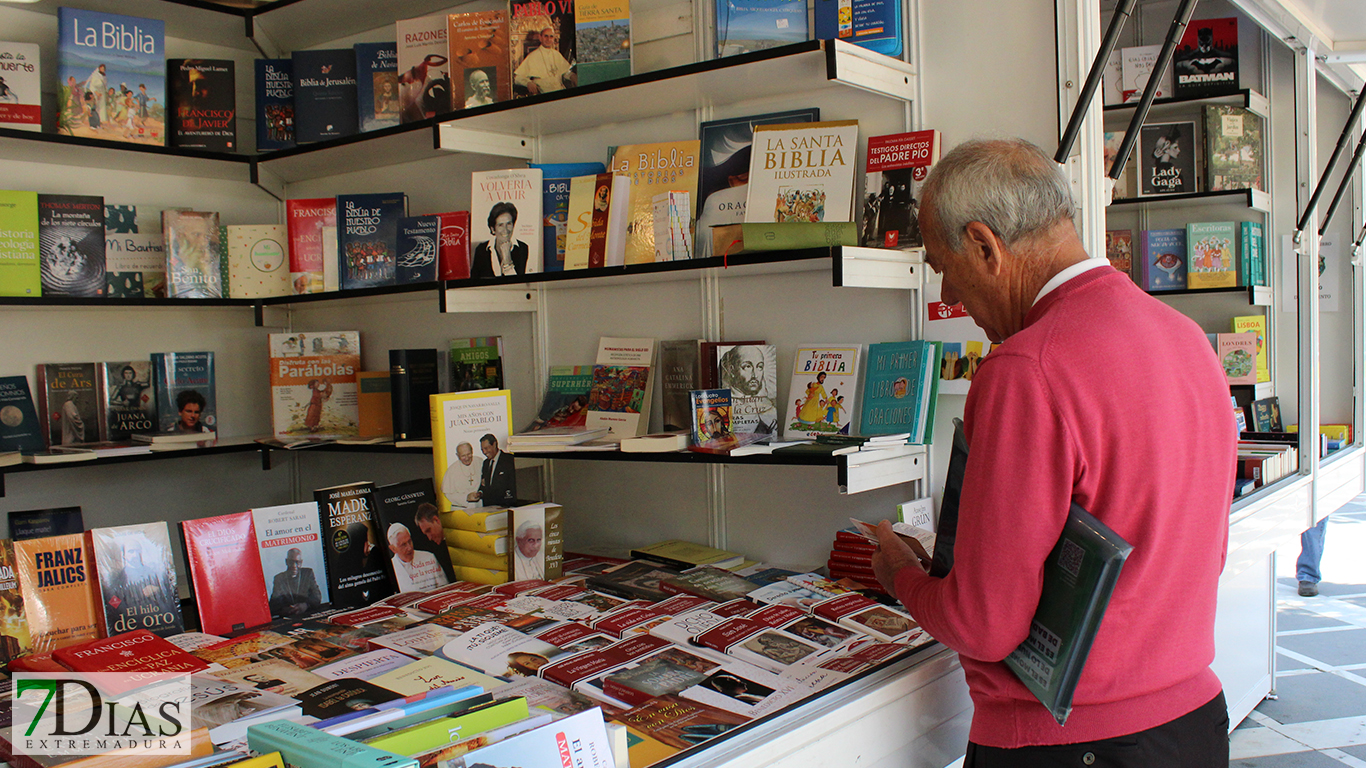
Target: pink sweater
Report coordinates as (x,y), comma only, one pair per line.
(1110,398)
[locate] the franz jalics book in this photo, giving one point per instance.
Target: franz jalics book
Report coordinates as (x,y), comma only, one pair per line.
(274,104)
(897,163)
(195,262)
(414,376)
(258,261)
(289,543)
(134,253)
(130,406)
(424,70)
(20,427)
(203,113)
(1210,247)
(654,169)
(20,271)
(469,432)
(479,59)
(14,638)
(57,582)
(802,173)
(1206,60)
(823,395)
(69,398)
(1164,260)
(1233,148)
(367,235)
(376,85)
(750,372)
(356,568)
(185,392)
(225,572)
(324,94)
(505,222)
(21,107)
(1166,159)
(416,249)
(307,220)
(137,580)
(543,50)
(602,36)
(111,76)
(410,523)
(313,383)
(71,245)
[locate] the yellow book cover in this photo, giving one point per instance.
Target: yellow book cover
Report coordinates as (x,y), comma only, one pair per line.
(469,432)
(14,639)
(491,543)
(1256,324)
(258,261)
(270,760)
(430,672)
(471,559)
(669,166)
(480,575)
(579,228)
(57,583)
(375,402)
(802,172)
(481,519)
(644,750)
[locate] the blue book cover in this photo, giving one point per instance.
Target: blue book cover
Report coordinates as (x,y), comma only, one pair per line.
(1164,260)
(111,76)
(367,238)
(324,95)
(418,240)
(555,207)
(185,392)
(274,104)
(892,388)
(873,24)
(20,429)
(710,414)
(743,26)
(376,85)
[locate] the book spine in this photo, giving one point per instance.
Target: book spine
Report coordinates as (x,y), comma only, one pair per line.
(400,392)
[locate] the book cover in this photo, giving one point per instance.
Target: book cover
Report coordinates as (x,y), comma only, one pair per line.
(313,383)
(802,173)
(555,187)
(454,249)
(1119,249)
(1166,159)
(414,377)
(680,723)
(305,220)
(101,59)
(419,241)
(635,580)
(203,99)
(743,26)
(537,550)
(129,652)
(897,388)
(374,404)
(342,696)
(680,366)
(355,555)
(1234,149)
(225,572)
(41,523)
(1206,60)
(20,427)
(824,391)
(324,94)
(274,104)
(186,401)
(258,262)
(897,164)
(431,672)
(566,398)
(289,544)
(654,169)
(376,85)
(194,254)
(543,50)
(1266,414)
(134,253)
(20,270)
(589,209)
(505,216)
(367,236)
(137,579)
(1209,257)
(1125,185)
(130,406)
(58,588)
(577,741)
(424,72)
(273,675)
(1164,260)
(408,517)
(20,84)
(480,59)
(14,637)
(69,398)
(477,519)
(622,385)
(602,31)
(476,363)
(870,23)
(1137,64)
(1238,355)
(750,372)
(1252,249)
(463,422)
(71,245)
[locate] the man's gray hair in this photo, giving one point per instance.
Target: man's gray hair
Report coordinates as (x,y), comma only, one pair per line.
(1009,185)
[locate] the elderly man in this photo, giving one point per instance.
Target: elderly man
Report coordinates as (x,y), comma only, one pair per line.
(294,590)
(1099,395)
(414,570)
(529,539)
(545,69)
(460,483)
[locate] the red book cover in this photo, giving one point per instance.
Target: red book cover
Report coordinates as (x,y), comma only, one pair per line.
(493,602)
(305,221)
(897,164)
(676,605)
(837,608)
(618,622)
(453,250)
(633,648)
(36,662)
(853,542)
(512,589)
(566,634)
(580,667)
(855,559)
(597,237)
(371,615)
(739,607)
(730,632)
(559,592)
(841,571)
(136,651)
(777,615)
(444,602)
(403,598)
(225,571)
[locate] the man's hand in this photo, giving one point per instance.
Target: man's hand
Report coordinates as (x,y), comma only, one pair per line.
(891,556)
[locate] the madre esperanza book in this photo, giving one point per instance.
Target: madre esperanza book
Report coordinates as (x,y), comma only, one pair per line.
(313,383)
(355,555)
(802,172)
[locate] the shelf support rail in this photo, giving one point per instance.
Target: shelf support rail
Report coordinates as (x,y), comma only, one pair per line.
(1093,78)
(1145,103)
(1352,166)
(1343,138)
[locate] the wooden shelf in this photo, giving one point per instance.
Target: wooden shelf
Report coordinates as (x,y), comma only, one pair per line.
(1248,198)
(1167,108)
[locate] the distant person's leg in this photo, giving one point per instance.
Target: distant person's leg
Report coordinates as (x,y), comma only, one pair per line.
(1311,555)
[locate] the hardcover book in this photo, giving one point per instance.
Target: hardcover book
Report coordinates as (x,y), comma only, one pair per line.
(1137,64)
(408,518)
(1164,260)
(355,555)
(1209,258)
(290,550)
(135,651)
(1119,249)
(130,406)
(101,59)
(274,104)
(186,402)
(476,363)
(1166,159)
(419,242)
(1238,355)
(537,550)
(680,367)
(414,377)
(480,60)
(41,523)
(376,85)
(57,583)
(21,109)
(313,383)
(680,723)
(454,249)
(203,112)
(134,253)
(555,183)
(137,579)
(750,372)
(566,397)
(1253,252)
(744,27)
(1234,149)
(306,220)
(71,245)
(424,72)
(543,50)
(1206,60)
(464,426)
(324,94)
(225,571)
(622,385)
(367,236)
(824,391)
(654,169)
(69,398)
(14,637)
(602,31)
(869,23)
(802,173)
(20,427)
(20,270)
(590,213)
(897,165)
(505,222)
(711,414)
(195,262)
(900,388)
(374,403)
(258,262)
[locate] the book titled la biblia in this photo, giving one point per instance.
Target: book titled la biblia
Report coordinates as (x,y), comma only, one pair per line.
(802,172)
(313,383)
(654,169)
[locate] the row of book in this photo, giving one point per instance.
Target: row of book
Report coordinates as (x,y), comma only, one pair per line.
(1206,254)
(1204,63)
(1224,151)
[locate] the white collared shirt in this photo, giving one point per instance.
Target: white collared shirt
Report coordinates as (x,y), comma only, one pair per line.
(1080,267)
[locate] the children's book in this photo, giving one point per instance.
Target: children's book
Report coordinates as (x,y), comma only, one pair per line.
(823,395)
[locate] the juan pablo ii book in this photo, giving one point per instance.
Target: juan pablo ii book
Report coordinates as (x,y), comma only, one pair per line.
(802,173)
(367,234)
(21,78)
(137,580)
(186,401)
(274,104)
(355,555)
(225,571)
(203,112)
(324,94)
(71,245)
(20,273)
(376,85)
(313,383)
(111,76)
(466,425)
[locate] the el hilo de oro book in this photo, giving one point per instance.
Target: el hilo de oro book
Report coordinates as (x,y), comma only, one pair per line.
(111,76)
(802,172)
(313,383)
(137,580)
(654,169)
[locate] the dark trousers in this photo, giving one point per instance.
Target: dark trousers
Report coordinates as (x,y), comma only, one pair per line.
(1198,739)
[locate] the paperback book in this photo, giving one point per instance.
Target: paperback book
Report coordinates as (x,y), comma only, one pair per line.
(1166,159)
(480,63)
(454,249)
(324,94)
(463,423)
(555,182)
(99,56)
(71,245)
(356,571)
(897,165)
(824,391)
(566,398)
(653,169)
(414,376)
(1234,148)
(1237,354)
(595,236)
(418,558)
(306,220)
(505,215)
(802,173)
(134,253)
(1210,261)
(744,26)
(21,77)
(419,241)
(14,634)
(258,261)
(20,427)
(225,572)
(602,31)
(130,406)
(543,50)
(1206,60)
(1119,249)
(424,72)
(1256,324)
(274,104)
(137,579)
(1164,260)
(622,386)
(69,398)
(870,23)
(1137,64)
(195,262)
(313,383)
(374,404)
(1252,250)
(289,544)
(367,238)
(376,85)
(203,104)
(750,372)
(57,583)
(20,269)
(537,550)
(476,363)
(41,523)
(901,387)
(185,392)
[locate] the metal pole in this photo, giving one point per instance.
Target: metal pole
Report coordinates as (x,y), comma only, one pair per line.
(1088,91)
(1346,181)
(1164,59)
(1332,161)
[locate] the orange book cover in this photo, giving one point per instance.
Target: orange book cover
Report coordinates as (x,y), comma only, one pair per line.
(375,401)
(57,582)
(313,383)
(480,64)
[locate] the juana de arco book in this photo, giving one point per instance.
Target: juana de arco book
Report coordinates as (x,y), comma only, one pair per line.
(1164,260)
(355,554)
(71,244)
(111,76)
(1206,60)
(414,376)
(743,26)
(802,173)
(21,109)
(324,94)
(203,99)
(453,251)
(566,398)
(313,383)
(602,34)
(680,370)
(542,46)
(225,572)
(408,518)
(873,24)
(1166,159)
(69,398)
(750,372)
(57,582)
(258,261)
(135,570)
(274,104)
(654,169)
(1210,247)
(289,543)
(476,363)
(130,406)
(20,427)
(14,638)
(367,235)
(623,383)
(479,58)
(424,70)
(134,252)
(469,432)
(555,182)
(376,85)
(1234,149)
(505,222)
(306,219)
(897,164)
(711,414)
(823,395)
(416,249)
(1119,249)
(186,392)
(195,262)
(20,272)
(41,523)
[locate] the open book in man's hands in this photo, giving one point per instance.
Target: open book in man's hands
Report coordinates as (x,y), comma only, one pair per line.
(918,539)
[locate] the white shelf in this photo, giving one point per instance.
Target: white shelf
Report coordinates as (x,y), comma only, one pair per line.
(1163,109)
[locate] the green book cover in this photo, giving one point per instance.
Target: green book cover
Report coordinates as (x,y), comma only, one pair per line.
(1252,256)
(447,730)
(934,391)
(476,363)
(787,236)
(19,272)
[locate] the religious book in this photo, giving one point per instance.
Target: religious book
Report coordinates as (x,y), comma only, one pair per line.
(454,249)
(289,543)
(1119,249)
(1206,60)
(414,376)
(900,387)
(355,554)
(1166,155)
(185,393)
(680,368)
(823,391)
(1234,148)
(306,221)
(20,429)
(565,400)
(897,165)
(479,59)
(14,633)
(802,172)
(313,383)
(711,415)
(20,268)
(57,583)
(416,250)
(134,252)
(470,431)
(409,520)
(653,169)
(555,184)
(258,261)
(324,94)
(111,76)
(744,27)
(137,579)
(1163,267)
(203,104)
(374,404)
(476,363)
(128,652)
(867,23)
(622,386)
(71,245)
(602,30)
(22,74)
(274,104)
(432,672)
(376,85)
(1210,248)
(537,547)
(424,73)
(69,399)
(225,572)
(367,238)
(505,221)
(195,262)
(750,372)
(542,39)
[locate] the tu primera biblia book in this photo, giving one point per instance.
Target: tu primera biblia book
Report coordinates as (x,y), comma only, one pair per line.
(802,172)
